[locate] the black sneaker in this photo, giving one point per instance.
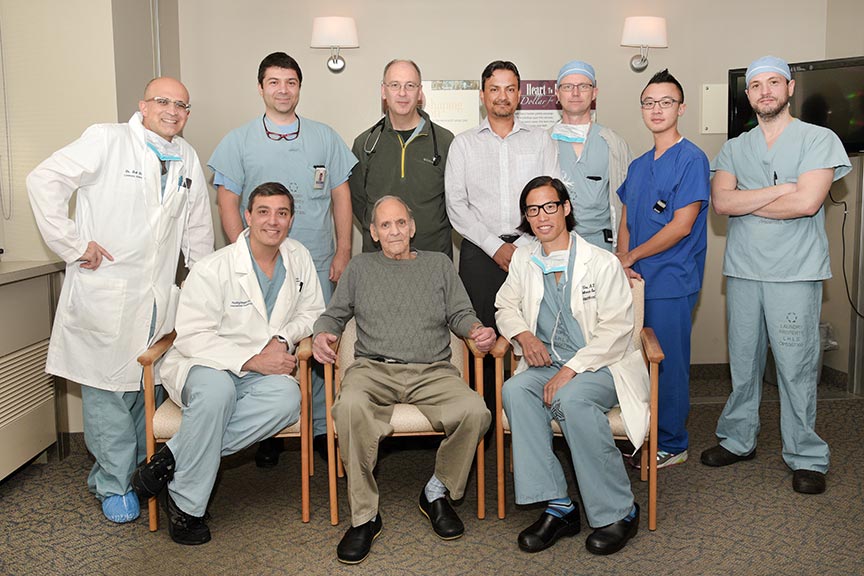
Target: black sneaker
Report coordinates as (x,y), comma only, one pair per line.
(150,478)
(185,528)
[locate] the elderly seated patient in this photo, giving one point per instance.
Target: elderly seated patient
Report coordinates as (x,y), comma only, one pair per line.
(567,309)
(241,312)
(405,304)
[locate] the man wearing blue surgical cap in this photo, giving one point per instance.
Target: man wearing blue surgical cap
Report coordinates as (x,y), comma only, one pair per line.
(593,158)
(772,182)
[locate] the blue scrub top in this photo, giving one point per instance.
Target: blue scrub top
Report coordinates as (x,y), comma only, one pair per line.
(247,157)
(587,181)
(770,250)
(270,287)
(679,177)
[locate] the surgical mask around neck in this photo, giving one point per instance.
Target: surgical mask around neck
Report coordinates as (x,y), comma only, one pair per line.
(164,150)
(573,133)
(555,262)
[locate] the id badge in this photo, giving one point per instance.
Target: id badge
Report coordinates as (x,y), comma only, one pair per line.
(320,177)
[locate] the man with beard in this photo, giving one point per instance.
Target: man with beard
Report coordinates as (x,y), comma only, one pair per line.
(487,167)
(772,182)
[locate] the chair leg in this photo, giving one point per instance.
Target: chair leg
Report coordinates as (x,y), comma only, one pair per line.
(643,475)
(340,467)
(481,479)
(499,437)
(652,483)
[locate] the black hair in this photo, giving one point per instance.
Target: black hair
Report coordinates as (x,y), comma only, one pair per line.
(664,77)
(270,189)
(563,196)
(279,60)
(499,65)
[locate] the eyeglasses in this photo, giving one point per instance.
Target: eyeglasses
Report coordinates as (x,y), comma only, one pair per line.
(533,210)
(580,87)
(663,102)
(163,102)
(397,86)
(279,135)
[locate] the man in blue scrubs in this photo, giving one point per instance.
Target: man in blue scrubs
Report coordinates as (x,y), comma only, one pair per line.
(663,239)
(311,160)
(772,182)
(593,158)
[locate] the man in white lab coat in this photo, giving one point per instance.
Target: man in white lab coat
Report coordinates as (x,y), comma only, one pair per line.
(241,313)
(141,198)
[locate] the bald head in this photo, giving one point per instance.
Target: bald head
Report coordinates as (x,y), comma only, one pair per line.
(164,108)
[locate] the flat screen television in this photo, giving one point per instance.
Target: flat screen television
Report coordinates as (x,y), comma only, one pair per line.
(829,93)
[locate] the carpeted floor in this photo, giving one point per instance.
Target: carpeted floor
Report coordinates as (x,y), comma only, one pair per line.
(744,519)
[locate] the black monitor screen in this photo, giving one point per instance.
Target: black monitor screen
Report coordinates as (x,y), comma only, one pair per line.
(829,93)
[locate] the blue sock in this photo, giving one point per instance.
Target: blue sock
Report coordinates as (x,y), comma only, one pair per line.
(434,489)
(631,515)
(560,507)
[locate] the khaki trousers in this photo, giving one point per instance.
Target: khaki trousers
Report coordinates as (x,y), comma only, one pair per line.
(362,416)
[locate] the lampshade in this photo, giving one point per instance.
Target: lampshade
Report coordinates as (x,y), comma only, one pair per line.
(647,31)
(334,31)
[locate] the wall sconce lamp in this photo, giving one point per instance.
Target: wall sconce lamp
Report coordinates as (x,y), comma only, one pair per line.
(334,32)
(644,32)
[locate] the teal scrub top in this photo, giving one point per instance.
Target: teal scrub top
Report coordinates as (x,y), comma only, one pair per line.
(587,181)
(247,157)
(270,287)
(772,250)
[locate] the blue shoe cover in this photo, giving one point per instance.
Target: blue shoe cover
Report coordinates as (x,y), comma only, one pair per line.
(121,508)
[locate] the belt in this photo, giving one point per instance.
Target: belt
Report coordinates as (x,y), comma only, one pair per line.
(509,238)
(385,360)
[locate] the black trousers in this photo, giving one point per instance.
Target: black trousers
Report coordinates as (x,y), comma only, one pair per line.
(482,278)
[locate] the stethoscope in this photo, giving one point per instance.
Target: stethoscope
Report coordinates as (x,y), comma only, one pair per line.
(436,158)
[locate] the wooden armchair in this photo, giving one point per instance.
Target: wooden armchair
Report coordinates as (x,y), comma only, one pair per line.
(644,340)
(164,422)
(407,420)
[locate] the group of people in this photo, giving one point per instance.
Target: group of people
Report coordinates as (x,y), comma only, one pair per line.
(555,224)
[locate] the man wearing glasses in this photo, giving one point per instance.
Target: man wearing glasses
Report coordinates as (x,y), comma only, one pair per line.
(313,163)
(662,238)
(567,309)
(404,155)
(772,182)
(593,158)
(140,197)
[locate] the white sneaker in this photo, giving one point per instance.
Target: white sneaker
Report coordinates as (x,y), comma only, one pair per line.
(664,459)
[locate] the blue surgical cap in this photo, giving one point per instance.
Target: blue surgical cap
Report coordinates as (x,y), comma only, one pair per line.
(577,67)
(767,64)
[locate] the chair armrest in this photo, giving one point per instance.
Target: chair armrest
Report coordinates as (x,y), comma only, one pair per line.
(157,349)
(304,349)
(502,345)
(472,346)
(651,346)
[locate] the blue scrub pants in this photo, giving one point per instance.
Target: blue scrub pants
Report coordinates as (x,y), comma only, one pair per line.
(114,434)
(580,407)
(786,314)
(671,320)
(223,414)
(319,399)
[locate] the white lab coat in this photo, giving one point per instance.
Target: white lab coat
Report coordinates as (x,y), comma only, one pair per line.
(103,317)
(602,304)
(222,318)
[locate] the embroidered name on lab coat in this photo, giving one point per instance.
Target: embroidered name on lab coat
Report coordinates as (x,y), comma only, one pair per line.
(241,303)
(589,292)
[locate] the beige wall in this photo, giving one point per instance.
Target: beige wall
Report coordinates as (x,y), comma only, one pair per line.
(456,39)
(59,60)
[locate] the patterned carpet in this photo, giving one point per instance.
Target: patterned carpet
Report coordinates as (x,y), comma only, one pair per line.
(744,519)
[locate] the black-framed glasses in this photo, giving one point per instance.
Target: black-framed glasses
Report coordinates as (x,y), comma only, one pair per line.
(665,103)
(164,102)
(533,210)
(288,137)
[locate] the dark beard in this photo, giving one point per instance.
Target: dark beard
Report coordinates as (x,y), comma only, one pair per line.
(769,115)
